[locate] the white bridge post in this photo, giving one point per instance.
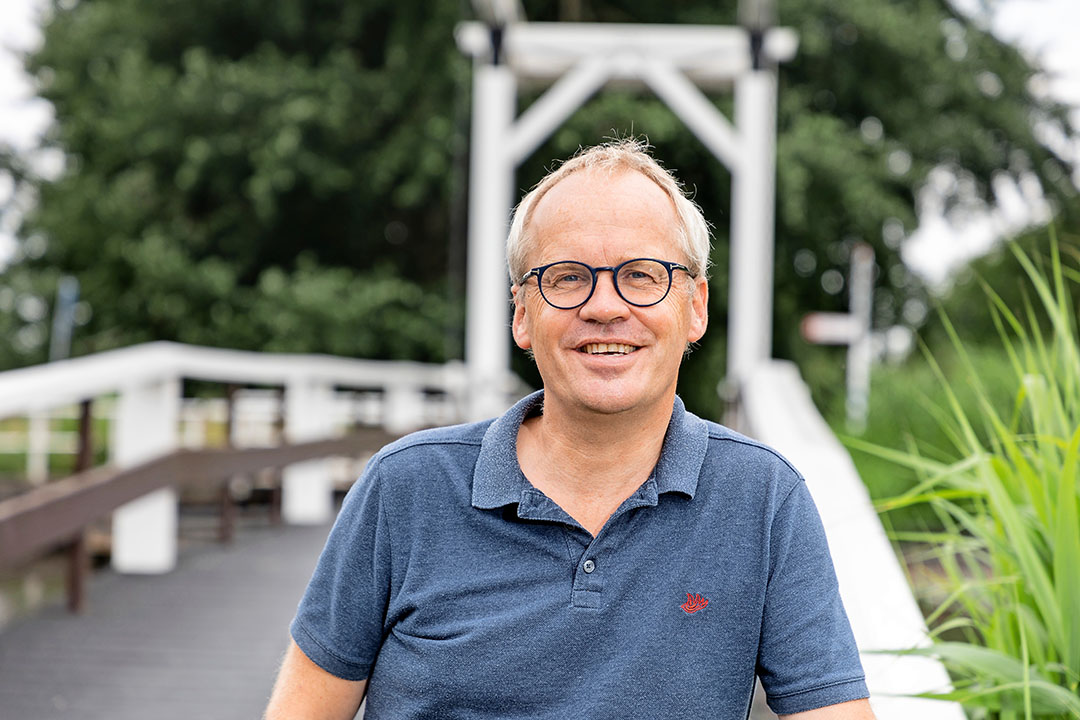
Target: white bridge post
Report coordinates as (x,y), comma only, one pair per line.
(491,195)
(752,220)
(403,408)
(307,490)
(144,530)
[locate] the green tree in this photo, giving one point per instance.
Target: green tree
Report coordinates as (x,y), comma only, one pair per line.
(226,163)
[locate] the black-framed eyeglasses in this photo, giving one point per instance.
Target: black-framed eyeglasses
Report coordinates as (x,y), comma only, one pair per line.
(568,284)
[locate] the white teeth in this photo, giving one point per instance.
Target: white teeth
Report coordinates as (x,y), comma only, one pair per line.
(608,349)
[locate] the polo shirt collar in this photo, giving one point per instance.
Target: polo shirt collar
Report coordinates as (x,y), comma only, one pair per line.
(498,480)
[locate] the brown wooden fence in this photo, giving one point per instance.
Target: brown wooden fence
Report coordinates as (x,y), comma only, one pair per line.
(57,514)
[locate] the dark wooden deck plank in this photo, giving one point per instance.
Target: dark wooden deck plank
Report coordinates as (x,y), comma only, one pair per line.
(201,643)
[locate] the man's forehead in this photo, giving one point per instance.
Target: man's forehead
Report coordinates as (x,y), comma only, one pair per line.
(599,190)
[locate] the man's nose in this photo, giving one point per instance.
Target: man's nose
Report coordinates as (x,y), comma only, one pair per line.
(605,305)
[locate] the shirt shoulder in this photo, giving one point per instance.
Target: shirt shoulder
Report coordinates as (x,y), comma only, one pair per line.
(749,458)
(427,466)
(433,440)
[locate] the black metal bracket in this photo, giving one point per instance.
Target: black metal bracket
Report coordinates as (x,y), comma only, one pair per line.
(496,32)
(757,48)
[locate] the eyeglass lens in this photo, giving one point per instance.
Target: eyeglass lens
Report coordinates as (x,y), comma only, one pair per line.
(640,282)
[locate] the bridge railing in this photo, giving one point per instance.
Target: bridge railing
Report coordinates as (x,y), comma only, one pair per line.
(146,381)
(778,410)
(57,515)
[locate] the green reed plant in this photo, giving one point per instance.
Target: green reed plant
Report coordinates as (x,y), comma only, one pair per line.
(1009,503)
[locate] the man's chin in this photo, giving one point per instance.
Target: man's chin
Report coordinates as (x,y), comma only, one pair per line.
(611,401)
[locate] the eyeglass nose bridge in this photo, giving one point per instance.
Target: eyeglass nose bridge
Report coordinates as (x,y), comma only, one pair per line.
(596,280)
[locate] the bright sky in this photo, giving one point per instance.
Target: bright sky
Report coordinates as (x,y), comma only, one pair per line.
(1045,29)
(22,117)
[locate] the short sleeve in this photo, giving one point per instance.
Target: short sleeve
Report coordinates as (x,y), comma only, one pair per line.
(339,623)
(807,657)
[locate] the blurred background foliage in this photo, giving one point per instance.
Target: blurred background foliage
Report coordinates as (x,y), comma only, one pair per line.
(292,175)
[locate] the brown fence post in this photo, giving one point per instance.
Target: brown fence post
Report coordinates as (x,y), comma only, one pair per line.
(227,516)
(78,574)
(275,473)
(85,456)
(227,526)
(78,560)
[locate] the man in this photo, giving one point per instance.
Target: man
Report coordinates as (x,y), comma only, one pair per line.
(597,551)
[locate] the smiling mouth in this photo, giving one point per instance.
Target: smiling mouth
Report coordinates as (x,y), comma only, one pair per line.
(607,349)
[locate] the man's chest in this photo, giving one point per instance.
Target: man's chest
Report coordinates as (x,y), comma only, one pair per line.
(549,612)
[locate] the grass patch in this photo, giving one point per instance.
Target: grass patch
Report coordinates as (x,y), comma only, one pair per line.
(1004,488)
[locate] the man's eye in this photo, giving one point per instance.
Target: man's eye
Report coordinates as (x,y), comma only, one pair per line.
(640,277)
(568,278)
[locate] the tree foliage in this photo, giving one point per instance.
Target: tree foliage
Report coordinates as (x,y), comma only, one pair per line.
(229,163)
(290,174)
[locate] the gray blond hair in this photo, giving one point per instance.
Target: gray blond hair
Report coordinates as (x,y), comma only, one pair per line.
(627,154)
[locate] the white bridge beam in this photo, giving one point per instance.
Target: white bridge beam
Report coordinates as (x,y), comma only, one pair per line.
(696,111)
(557,104)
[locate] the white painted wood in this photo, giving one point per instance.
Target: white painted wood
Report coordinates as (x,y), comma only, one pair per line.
(68,382)
(37,448)
(700,115)
(487,319)
(713,56)
(144,534)
(830,328)
(854,330)
(752,219)
(883,612)
(403,409)
(556,104)
(860,352)
(307,487)
(144,531)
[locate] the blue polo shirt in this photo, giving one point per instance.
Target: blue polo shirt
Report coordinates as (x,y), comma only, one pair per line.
(461,591)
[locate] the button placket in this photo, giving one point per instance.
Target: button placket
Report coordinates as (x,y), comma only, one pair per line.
(588,585)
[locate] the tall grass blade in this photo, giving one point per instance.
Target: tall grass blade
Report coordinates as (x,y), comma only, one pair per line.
(1067,554)
(1009,503)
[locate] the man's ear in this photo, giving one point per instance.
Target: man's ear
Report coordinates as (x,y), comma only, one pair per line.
(699,310)
(519,325)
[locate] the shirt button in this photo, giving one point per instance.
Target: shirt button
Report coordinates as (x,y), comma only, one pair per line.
(588,566)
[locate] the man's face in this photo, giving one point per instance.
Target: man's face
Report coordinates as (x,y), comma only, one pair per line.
(601,219)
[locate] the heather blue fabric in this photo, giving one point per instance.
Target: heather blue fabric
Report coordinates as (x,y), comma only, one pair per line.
(461,591)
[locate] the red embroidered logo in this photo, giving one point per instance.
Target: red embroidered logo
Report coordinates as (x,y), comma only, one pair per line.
(694,603)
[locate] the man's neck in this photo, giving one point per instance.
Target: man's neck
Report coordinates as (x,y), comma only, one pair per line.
(589,463)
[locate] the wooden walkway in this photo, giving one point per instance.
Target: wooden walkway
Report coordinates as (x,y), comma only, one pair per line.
(200,643)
